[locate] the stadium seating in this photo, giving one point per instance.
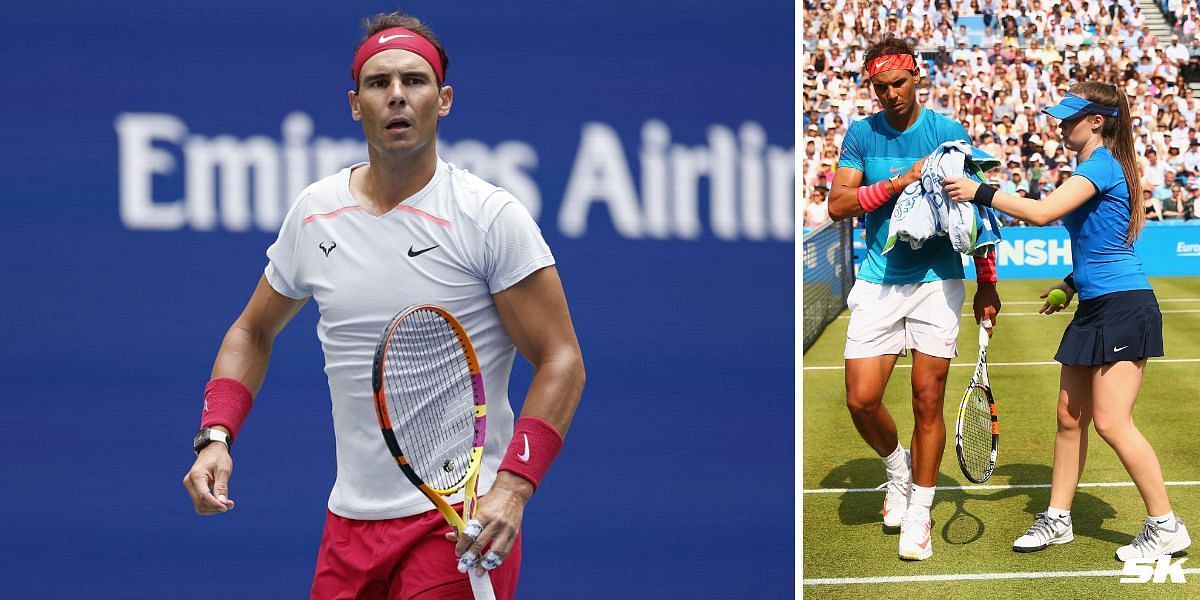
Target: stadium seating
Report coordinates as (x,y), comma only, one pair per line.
(994,64)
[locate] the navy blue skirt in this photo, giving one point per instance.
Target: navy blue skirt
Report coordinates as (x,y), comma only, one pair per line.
(1111,328)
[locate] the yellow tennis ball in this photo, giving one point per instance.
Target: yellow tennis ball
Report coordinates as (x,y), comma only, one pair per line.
(1057,297)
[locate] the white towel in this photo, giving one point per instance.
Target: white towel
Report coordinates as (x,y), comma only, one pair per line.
(924,210)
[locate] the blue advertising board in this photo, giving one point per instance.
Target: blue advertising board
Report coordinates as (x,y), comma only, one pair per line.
(151,150)
(1168,249)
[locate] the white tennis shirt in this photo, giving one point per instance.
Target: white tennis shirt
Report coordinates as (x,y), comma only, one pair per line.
(454,243)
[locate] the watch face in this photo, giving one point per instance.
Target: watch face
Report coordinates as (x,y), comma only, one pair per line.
(202,437)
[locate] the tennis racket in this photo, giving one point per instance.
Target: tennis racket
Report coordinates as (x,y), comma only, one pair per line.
(430,403)
(977,430)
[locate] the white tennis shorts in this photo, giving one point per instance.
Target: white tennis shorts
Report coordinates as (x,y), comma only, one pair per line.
(892,319)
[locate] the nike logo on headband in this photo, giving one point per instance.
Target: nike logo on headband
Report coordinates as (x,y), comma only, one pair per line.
(383,39)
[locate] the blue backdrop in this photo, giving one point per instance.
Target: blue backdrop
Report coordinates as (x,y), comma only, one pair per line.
(150,149)
(1166,248)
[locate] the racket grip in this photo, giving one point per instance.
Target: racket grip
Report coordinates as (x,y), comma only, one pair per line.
(983,334)
(481,586)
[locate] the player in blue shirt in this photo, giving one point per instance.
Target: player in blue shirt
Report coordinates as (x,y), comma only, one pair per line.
(1118,324)
(904,300)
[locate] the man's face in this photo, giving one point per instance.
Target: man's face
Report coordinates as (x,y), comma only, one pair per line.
(896,90)
(399,102)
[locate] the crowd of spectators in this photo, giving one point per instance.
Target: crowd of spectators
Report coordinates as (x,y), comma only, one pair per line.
(996,77)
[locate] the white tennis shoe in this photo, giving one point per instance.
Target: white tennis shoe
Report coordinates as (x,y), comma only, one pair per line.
(915,541)
(1046,530)
(1155,541)
(895,501)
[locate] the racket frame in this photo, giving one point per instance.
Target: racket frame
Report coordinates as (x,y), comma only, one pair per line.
(978,381)
(481,585)
(435,495)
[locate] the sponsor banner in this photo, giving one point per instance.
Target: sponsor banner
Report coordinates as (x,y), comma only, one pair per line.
(1171,249)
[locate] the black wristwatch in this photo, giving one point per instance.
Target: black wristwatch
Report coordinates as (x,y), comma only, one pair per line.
(207,436)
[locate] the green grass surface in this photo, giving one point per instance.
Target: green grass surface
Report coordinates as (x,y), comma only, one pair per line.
(973,529)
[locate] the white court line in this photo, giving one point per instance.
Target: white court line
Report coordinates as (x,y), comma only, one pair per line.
(1002,364)
(965,576)
(1021,486)
(1031,314)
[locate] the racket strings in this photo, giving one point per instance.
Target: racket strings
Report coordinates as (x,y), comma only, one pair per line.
(977,433)
(430,398)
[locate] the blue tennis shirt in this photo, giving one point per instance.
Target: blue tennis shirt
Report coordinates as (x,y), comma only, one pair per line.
(1103,263)
(877,149)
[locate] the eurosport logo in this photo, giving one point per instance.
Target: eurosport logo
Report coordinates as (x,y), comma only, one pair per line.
(171,178)
(1186,249)
(1150,570)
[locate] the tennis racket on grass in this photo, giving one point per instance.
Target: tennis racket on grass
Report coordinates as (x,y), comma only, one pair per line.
(430,403)
(977,430)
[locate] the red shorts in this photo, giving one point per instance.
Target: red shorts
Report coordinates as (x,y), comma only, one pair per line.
(399,559)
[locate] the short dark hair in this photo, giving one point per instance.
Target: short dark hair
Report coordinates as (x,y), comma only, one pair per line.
(376,23)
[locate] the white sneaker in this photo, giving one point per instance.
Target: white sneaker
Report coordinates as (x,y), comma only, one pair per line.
(1155,541)
(1045,531)
(895,501)
(915,541)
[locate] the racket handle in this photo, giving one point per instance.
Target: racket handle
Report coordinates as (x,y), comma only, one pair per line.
(481,585)
(983,334)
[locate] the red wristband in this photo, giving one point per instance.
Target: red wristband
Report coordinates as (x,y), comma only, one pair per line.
(985,269)
(226,402)
(871,197)
(534,445)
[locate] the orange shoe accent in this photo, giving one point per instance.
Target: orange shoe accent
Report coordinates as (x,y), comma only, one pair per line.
(925,544)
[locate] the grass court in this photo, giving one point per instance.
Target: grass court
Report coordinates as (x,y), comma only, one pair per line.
(847,553)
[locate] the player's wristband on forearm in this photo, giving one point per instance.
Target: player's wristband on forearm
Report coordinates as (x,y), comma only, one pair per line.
(227,402)
(985,269)
(1070,281)
(534,445)
(871,197)
(983,195)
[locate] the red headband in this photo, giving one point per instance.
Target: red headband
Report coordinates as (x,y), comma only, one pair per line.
(891,62)
(398,38)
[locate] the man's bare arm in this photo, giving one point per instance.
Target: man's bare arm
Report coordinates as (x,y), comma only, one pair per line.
(843,198)
(243,356)
(843,194)
(246,349)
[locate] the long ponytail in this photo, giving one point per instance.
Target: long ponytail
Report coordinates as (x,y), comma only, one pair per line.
(1118,138)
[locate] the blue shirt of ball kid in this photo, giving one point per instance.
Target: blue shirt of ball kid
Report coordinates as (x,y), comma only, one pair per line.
(877,149)
(1103,262)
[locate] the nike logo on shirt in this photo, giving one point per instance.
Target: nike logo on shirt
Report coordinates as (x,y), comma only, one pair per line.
(413,253)
(1116,349)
